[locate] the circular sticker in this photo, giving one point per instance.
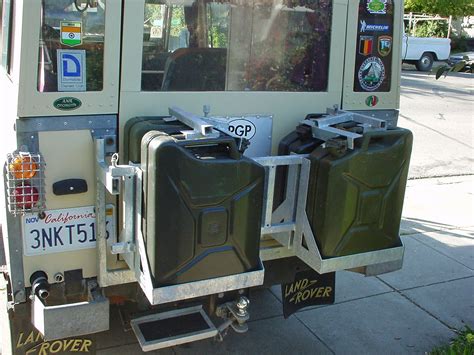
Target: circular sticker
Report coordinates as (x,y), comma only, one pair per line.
(371,74)
(372,101)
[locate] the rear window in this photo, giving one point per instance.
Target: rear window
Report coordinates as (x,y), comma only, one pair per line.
(71,45)
(235,45)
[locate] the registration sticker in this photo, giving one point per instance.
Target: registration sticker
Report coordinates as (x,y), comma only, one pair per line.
(64,230)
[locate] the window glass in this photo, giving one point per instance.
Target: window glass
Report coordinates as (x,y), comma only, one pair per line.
(236,45)
(375,42)
(71,48)
(5,33)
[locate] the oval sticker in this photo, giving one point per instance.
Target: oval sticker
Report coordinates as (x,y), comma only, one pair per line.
(242,128)
(67,103)
(372,101)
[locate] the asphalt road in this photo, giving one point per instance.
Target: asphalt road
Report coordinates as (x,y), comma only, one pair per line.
(440,113)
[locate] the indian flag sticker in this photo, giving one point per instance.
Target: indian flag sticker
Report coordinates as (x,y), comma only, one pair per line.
(71,33)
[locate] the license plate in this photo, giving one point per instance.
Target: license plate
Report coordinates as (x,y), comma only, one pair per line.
(64,230)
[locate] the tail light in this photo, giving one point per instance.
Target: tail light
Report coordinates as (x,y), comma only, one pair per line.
(25,183)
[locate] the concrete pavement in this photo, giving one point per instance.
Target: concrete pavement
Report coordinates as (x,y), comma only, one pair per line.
(440,113)
(408,311)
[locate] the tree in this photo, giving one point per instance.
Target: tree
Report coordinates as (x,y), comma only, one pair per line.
(455,8)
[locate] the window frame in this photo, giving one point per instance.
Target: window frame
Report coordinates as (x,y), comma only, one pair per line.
(32,103)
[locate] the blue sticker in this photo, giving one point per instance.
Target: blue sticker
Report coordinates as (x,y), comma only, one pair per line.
(71,70)
(371,27)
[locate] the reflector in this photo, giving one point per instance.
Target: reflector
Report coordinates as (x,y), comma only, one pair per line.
(25,196)
(23,167)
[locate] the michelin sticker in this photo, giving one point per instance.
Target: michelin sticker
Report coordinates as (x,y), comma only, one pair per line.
(378,7)
(371,74)
(369,27)
(71,70)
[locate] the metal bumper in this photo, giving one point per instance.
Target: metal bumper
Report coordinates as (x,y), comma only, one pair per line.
(74,319)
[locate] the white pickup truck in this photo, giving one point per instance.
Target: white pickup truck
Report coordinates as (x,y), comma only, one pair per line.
(423,51)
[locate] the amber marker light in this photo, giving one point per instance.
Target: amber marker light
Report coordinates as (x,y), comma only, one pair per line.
(23,167)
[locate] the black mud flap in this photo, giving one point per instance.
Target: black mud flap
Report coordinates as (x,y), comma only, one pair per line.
(308,289)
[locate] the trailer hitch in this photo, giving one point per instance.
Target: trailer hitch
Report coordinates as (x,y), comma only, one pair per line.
(235,315)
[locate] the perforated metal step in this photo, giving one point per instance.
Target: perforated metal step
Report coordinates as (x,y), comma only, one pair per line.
(172,328)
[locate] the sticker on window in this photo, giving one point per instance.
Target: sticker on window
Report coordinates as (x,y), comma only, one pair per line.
(378,7)
(71,33)
(366,44)
(371,74)
(71,70)
(374,54)
(385,45)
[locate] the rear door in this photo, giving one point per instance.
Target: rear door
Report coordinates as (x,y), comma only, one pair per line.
(239,57)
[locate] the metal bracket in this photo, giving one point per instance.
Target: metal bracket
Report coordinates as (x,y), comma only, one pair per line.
(204,127)
(127,180)
(113,178)
(323,128)
(74,319)
(289,224)
(201,128)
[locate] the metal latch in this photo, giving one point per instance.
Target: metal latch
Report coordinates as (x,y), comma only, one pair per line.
(204,127)
(329,126)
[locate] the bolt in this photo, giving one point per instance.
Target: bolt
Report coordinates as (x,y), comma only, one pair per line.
(242,306)
(58,277)
(220,295)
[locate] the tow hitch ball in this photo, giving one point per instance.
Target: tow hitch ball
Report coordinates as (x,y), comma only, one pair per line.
(235,315)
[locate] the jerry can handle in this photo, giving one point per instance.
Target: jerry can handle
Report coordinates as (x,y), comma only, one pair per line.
(384,135)
(229,141)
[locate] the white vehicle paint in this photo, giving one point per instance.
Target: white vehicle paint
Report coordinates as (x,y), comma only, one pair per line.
(423,51)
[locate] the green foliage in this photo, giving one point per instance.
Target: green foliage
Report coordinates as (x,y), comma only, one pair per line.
(455,8)
(459,44)
(462,345)
(218,22)
(431,29)
(153,12)
(177,20)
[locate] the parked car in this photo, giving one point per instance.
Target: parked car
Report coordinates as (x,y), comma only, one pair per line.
(468,57)
(423,51)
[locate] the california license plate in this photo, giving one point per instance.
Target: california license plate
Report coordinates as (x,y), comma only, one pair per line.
(64,230)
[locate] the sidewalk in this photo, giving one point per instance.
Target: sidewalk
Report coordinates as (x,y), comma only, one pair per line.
(409,311)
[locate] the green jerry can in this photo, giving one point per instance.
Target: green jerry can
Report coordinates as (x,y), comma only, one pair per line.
(137,127)
(355,197)
(202,204)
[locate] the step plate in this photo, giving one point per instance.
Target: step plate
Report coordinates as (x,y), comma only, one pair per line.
(172,328)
